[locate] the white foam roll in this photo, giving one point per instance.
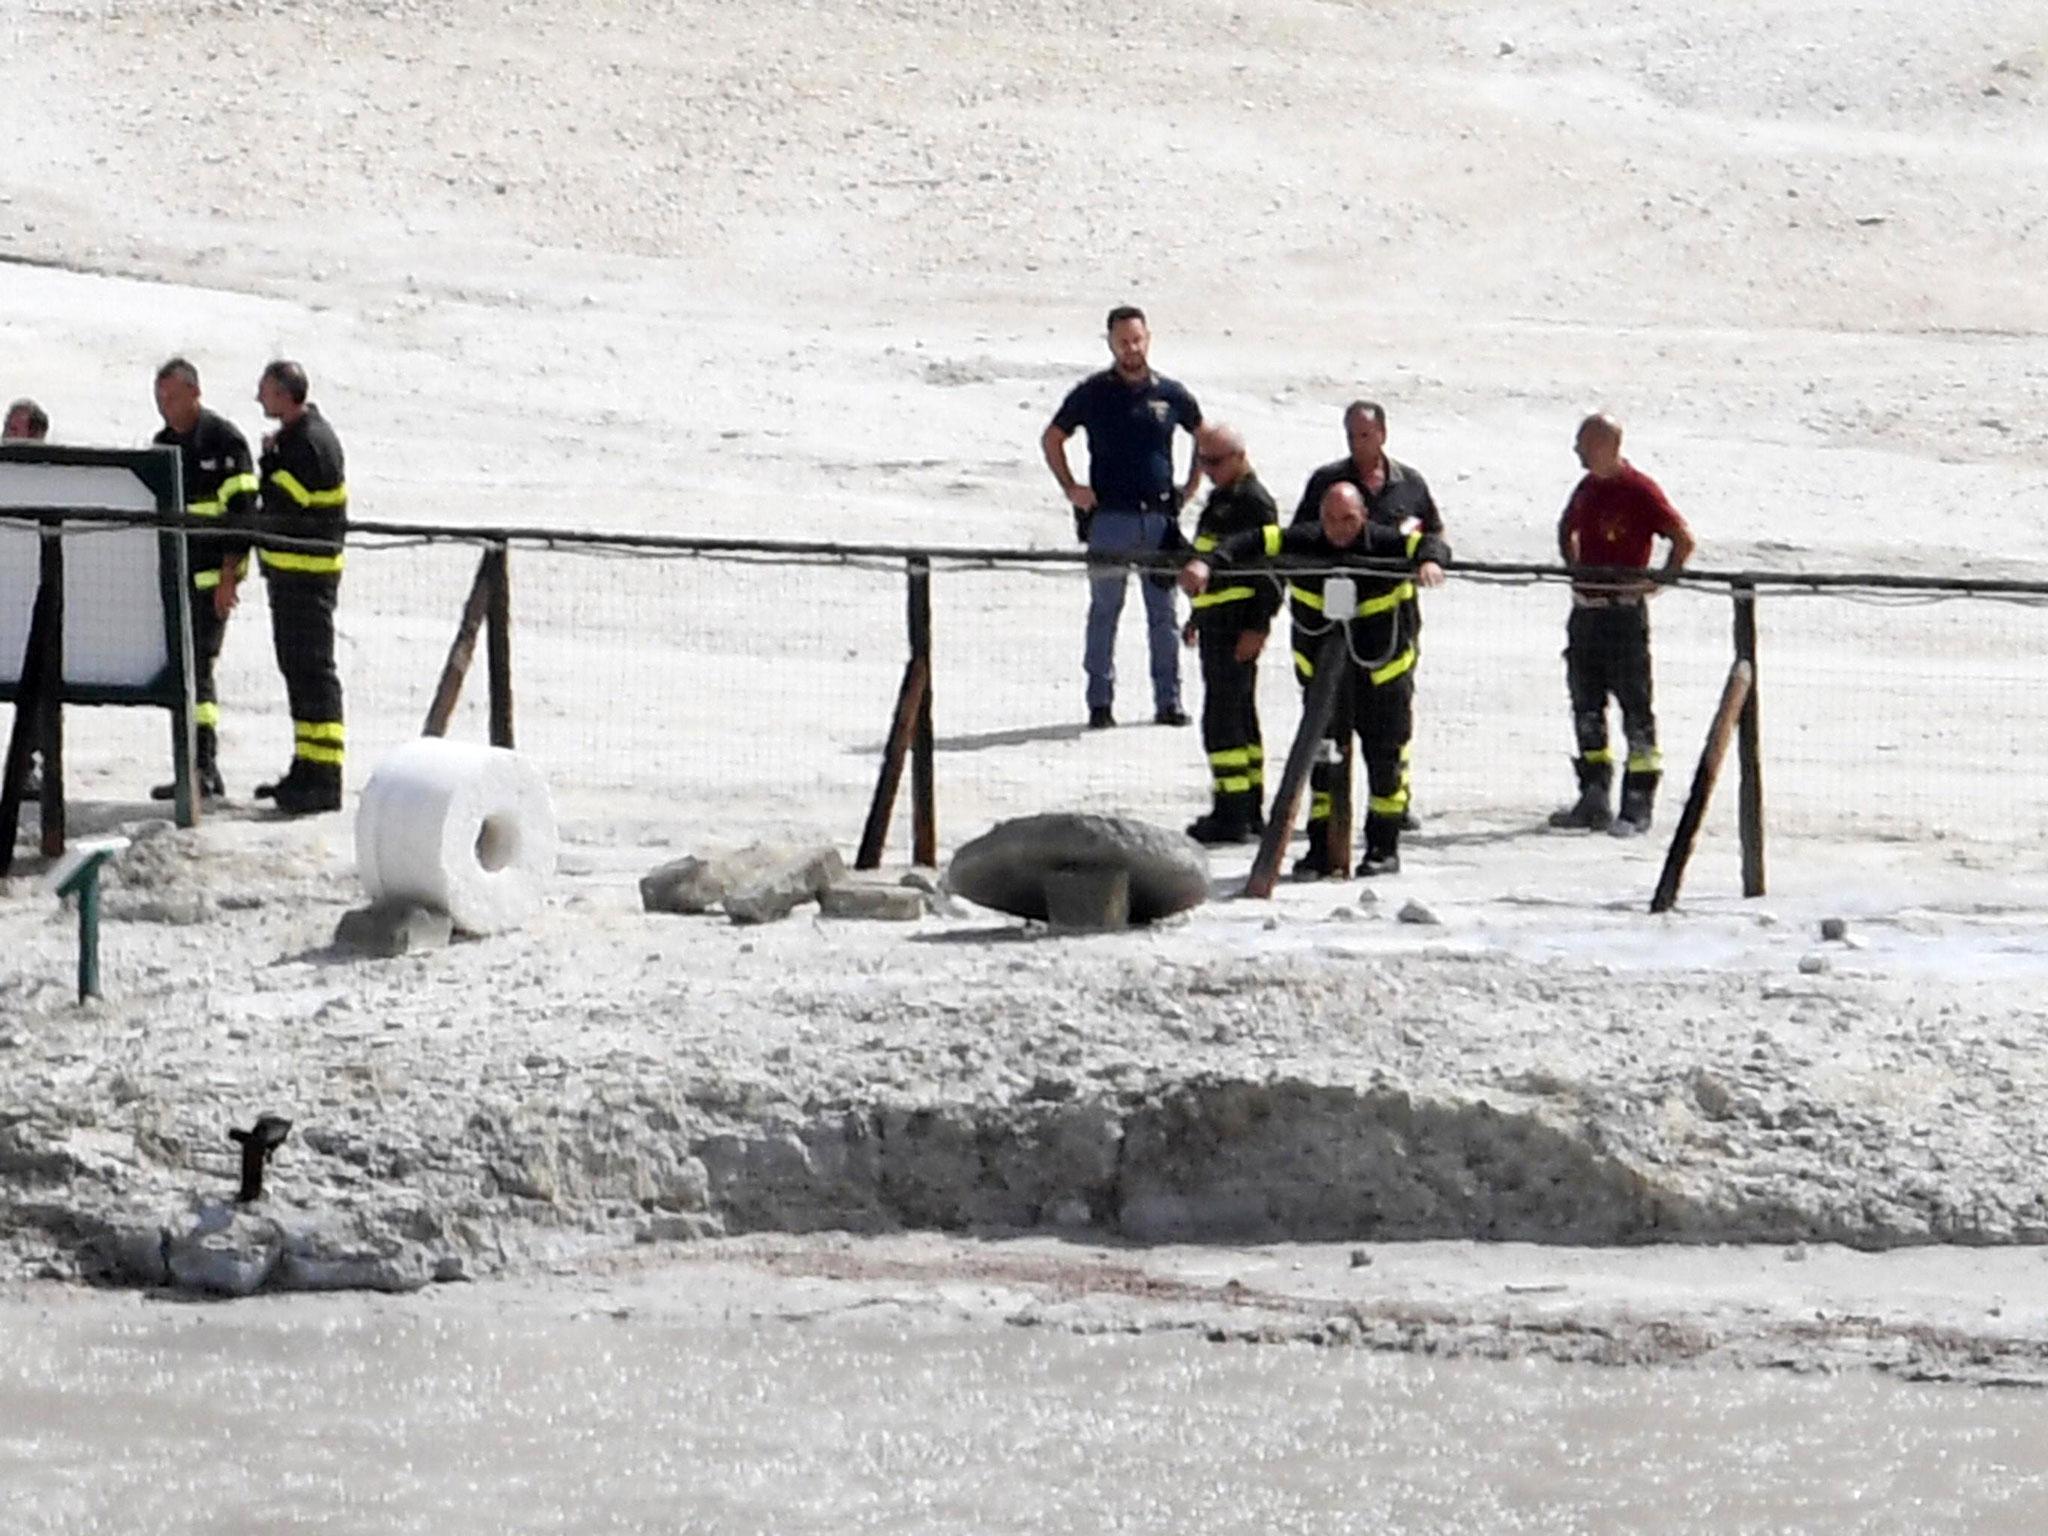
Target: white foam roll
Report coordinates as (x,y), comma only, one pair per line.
(466,830)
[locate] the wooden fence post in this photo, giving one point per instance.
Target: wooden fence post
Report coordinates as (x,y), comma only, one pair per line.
(924,811)
(498,643)
(50,688)
(1749,747)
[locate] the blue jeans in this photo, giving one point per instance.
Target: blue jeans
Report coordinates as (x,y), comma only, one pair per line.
(1129,533)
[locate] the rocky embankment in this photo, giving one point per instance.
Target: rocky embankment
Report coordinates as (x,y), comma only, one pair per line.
(611,1076)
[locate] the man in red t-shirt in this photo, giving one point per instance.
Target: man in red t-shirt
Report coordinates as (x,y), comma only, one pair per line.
(1611,521)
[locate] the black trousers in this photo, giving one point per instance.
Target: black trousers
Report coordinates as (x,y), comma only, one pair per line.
(1230,716)
(1607,655)
(1382,717)
(302,629)
(208,630)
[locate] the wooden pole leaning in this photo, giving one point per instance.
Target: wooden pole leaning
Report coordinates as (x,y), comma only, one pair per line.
(910,738)
(1316,709)
(1733,694)
(461,652)
(487,609)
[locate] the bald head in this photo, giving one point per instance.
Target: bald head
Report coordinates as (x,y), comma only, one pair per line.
(1598,444)
(1343,514)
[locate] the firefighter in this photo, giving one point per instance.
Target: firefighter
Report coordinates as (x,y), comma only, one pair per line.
(1614,516)
(305,502)
(1380,634)
(1229,625)
(1394,495)
(220,484)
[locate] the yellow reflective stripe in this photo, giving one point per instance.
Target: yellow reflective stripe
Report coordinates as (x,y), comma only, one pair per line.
(206,714)
(1646,762)
(204,508)
(1388,601)
(1394,668)
(1387,805)
(1414,539)
(236,485)
(1223,595)
(1604,755)
(208,579)
(291,485)
(1407,750)
(1230,757)
(1269,538)
(312,754)
(1303,665)
(1235,785)
(1255,753)
(1319,805)
(1204,542)
(317,730)
(1366,609)
(286,560)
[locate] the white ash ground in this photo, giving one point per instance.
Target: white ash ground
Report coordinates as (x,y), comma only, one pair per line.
(1306,1069)
(811,271)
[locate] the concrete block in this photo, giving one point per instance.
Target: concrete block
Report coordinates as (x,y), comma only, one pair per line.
(386,931)
(1088,900)
(882,903)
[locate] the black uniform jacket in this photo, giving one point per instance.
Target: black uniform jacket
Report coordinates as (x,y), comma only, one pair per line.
(220,482)
(1384,622)
(305,494)
(1247,601)
(1404,501)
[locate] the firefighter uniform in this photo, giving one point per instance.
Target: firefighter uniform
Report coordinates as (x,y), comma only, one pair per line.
(305,497)
(220,485)
(1403,503)
(1381,640)
(1230,714)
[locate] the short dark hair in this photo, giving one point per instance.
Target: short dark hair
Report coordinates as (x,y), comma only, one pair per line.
(33,416)
(178,368)
(1125,312)
(289,377)
(1371,408)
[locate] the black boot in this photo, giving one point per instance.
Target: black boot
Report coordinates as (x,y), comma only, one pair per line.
(205,769)
(317,789)
(287,780)
(1593,811)
(1638,803)
(1224,824)
(1382,846)
(1315,863)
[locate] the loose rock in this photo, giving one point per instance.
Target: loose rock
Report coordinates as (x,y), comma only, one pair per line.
(775,890)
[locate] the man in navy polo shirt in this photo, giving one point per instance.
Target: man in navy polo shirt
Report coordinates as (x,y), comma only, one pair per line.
(1130,505)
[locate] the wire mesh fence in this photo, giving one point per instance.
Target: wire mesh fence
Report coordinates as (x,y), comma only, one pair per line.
(754,687)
